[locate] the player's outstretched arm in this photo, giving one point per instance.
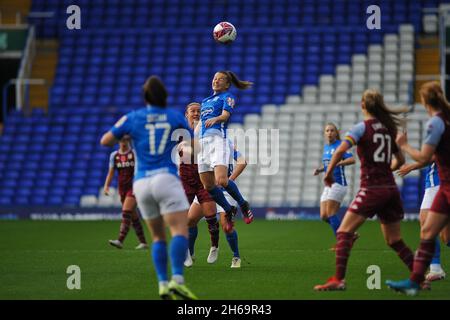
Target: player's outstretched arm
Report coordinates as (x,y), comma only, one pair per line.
(108,181)
(108,139)
(346,162)
(408,167)
(241,164)
(222,118)
(318,170)
(424,155)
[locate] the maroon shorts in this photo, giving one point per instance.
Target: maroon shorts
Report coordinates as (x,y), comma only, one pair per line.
(386,203)
(202,196)
(441,202)
(125,193)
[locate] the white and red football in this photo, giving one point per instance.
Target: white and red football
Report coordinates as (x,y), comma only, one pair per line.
(224,32)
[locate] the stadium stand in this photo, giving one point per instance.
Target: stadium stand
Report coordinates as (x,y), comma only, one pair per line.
(305,72)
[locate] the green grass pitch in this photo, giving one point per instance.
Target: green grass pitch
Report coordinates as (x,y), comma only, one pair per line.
(281,260)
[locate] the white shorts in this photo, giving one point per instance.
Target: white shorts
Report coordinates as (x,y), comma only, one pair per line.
(214,151)
(160,194)
(336,193)
(229,198)
(428,197)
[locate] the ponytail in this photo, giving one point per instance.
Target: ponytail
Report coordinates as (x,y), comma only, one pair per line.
(233,79)
(374,103)
(432,95)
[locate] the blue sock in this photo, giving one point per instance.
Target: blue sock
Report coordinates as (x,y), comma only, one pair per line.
(334,222)
(233,190)
(193,232)
(219,198)
(437,252)
(159,255)
(178,247)
(448,244)
(232,239)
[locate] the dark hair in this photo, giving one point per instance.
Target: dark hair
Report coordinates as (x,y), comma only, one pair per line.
(433,95)
(155,92)
(233,79)
(374,103)
(338,136)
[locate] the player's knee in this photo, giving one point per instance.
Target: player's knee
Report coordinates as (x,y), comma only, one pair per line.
(208,186)
(390,241)
(192,223)
(222,181)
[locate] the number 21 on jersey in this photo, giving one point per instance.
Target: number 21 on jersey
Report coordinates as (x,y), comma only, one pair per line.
(380,155)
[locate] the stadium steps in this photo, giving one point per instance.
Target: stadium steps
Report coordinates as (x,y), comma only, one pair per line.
(427,62)
(44,67)
(10,8)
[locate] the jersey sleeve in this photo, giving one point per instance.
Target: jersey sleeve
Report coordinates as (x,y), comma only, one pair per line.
(435,129)
(354,135)
(347,155)
(123,126)
(111,159)
(228,103)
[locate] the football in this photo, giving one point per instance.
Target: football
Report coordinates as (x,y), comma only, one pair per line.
(224,32)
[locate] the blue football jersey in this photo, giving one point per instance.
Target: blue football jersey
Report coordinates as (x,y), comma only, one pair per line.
(339,172)
(213,107)
(431,176)
(152,130)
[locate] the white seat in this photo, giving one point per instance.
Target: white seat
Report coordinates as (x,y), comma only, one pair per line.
(406,28)
(310,94)
(88,201)
(359,58)
(390,57)
(359,68)
(430,23)
(326,79)
(326,97)
(342,97)
(269,109)
(107,201)
(293,99)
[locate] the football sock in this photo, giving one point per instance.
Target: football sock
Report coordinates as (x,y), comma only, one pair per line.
(213,228)
(178,247)
(334,222)
(422,259)
(404,253)
(124,225)
(343,247)
(139,231)
(437,252)
(232,239)
(219,198)
(233,190)
(193,232)
(448,244)
(159,255)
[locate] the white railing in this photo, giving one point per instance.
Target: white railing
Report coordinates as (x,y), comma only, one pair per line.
(25,68)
